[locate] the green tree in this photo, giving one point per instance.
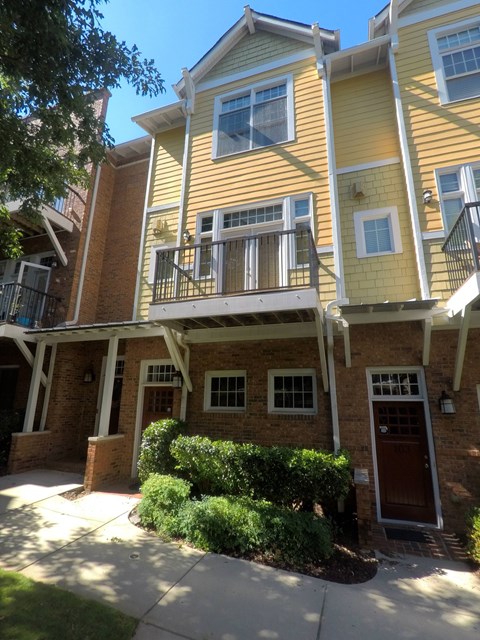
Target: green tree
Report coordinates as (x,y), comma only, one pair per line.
(54,57)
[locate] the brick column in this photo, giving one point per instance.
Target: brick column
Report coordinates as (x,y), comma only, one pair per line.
(105,462)
(29,450)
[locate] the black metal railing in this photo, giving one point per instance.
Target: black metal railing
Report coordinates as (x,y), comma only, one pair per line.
(462,245)
(28,307)
(264,262)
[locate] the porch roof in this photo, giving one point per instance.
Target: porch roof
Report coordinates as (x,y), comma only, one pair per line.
(97,331)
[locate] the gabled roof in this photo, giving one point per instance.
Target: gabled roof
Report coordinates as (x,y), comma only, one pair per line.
(250,22)
(379,25)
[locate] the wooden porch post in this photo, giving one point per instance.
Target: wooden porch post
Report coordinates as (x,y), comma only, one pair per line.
(34,387)
(106,404)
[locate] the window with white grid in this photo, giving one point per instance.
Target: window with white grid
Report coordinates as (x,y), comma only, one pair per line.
(160,373)
(457,186)
(257,116)
(456,58)
(292,391)
(225,391)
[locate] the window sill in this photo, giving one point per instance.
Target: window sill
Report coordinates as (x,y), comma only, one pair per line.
(253,150)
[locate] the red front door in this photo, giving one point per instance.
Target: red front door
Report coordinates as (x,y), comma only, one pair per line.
(403,461)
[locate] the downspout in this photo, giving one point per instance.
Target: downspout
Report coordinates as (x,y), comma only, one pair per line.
(86,249)
(141,252)
(181,209)
(332,179)
(330,319)
(407,167)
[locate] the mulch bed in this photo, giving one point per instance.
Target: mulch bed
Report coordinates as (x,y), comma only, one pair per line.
(348,564)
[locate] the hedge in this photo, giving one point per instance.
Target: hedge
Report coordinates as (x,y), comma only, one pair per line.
(282,475)
(232,524)
(155,448)
(473,534)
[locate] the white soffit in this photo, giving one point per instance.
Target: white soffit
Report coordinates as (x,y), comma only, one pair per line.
(171,116)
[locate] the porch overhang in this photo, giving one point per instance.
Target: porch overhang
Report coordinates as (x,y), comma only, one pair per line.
(467,295)
(14,332)
(281,307)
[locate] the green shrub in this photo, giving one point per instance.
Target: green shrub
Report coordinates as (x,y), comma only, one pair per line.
(283,475)
(155,448)
(473,534)
(10,421)
(226,524)
(162,498)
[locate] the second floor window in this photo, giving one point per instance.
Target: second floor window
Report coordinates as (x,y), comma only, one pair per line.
(259,116)
(456,58)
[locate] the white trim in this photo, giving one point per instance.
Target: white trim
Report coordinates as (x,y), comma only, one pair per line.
(54,240)
(329,248)
(162,207)
(153,261)
(391,214)
(429,14)
(368,165)
(225,373)
(433,235)
(141,249)
(305,372)
(333,187)
(407,168)
(423,398)
(478,395)
(248,73)
(440,78)
(252,89)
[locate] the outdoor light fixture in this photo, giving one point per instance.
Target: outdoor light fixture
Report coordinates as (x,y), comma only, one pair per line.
(427,196)
(187,236)
(177,380)
(446,404)
(89,375)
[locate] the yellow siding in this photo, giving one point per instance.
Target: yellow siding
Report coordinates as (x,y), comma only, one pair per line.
(376,279)
(364,119)
(424,5)
(440,136)
(260,174)
(167,222)
(167,177)
(327,280)
(253,50)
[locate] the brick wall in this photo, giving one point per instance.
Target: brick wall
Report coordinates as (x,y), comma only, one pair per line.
(104,462)
(119,268)
(256,424)
(29,451)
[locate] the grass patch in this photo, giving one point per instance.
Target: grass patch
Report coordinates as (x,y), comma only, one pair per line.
(34,611)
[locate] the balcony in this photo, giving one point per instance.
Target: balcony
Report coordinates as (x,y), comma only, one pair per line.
(271,273)
(26,307)
(461,249)
(62,213)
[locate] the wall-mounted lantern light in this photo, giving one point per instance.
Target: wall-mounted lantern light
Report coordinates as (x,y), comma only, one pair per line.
(187,236)
(177,380)
(89,375)
(446,404)
(427,196)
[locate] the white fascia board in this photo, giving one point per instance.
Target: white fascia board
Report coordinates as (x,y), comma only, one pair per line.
(14,332)
(382,317)
(466,295)
(257,332)
(147,120)
(436,12)
(252,303)
(88,335)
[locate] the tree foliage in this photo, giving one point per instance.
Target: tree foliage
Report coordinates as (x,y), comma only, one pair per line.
(54,57)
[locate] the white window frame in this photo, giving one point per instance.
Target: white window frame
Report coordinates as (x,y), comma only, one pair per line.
(391,213)
(233,373)
(467,191)
(253,89)
(273,373)
(433,36)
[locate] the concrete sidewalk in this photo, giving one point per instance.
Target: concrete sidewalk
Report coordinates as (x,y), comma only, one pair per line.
(89,546)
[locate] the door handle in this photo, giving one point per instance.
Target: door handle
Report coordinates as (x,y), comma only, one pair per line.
(427,466)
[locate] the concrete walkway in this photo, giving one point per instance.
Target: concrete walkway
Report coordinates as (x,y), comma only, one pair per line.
(89,546)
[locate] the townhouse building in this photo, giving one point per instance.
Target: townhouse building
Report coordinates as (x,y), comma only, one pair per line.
(307,271)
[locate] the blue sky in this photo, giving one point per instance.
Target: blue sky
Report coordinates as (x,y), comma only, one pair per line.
(176,33)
